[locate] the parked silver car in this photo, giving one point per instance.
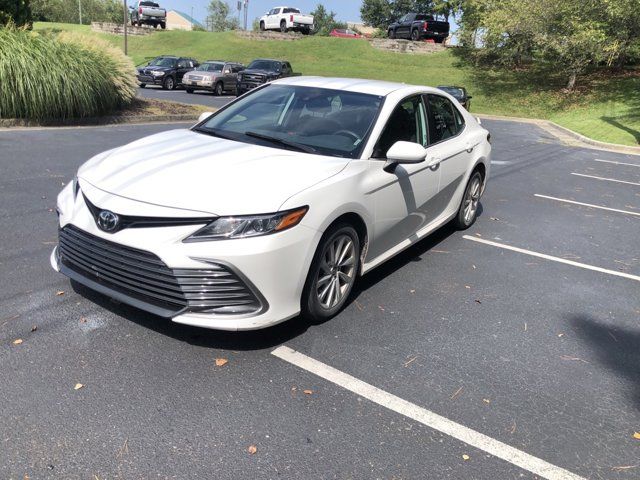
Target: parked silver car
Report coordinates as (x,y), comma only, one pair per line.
(213,75)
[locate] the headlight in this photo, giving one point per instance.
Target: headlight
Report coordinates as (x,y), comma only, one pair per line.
(248,226)
(157,73)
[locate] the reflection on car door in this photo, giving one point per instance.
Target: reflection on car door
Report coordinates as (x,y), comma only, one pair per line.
(184,66)
(403,198)
(445,125)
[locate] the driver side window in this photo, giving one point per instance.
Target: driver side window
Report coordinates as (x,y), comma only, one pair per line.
(183,64)
(407,123)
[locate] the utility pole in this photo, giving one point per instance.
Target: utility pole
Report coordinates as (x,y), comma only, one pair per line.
(80,11)
(191,17)
(126,21)
(246,13)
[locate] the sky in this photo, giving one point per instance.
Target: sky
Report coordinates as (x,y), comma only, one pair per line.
(347,10)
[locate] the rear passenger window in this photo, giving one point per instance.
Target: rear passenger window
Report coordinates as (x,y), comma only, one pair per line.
(444,119)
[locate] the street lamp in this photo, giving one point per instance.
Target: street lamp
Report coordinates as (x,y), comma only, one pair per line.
(126,21)
(80,11)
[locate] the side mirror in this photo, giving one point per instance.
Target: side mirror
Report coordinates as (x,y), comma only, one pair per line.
(204,116)
(130,7)
(404,152)
(469,97)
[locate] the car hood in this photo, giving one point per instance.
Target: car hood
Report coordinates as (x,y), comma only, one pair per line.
(254,71)
(154,68)
(188,170)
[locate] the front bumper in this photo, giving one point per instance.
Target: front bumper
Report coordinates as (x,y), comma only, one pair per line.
(198,84)
(150,79)
(272,267)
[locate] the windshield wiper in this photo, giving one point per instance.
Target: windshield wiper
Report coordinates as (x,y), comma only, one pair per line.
(214,133)
(280,141)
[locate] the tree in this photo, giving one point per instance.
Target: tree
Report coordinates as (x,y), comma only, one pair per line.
(325,22)
(380,13)
(66,11)
(219,19)
(17,12)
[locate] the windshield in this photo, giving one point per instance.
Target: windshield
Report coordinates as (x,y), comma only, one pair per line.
(211,67)
(264,65)
(316,120)
(163,62)
(454,92)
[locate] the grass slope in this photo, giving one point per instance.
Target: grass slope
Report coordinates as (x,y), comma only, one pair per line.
(606,108)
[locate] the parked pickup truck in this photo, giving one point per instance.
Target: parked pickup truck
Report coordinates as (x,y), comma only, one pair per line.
(419,26)
(148,13)
(286,19)
(261,71)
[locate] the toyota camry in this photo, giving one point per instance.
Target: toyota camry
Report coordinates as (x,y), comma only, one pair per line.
(274,205)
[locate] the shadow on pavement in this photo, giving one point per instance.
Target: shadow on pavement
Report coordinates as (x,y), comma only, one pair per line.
(616,348)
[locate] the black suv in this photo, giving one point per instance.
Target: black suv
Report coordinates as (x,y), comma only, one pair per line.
(261,71)
(166,71)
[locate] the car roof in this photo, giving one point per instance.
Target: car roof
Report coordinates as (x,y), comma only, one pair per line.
(357,85)
(267,60)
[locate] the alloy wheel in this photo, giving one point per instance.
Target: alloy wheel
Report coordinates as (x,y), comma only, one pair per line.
(337,271)
(472,199)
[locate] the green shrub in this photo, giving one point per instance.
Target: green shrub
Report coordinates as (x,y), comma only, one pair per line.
(46,77)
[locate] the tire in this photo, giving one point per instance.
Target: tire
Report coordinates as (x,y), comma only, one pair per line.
(219,90)
(163,26)
(438,40)
(392,34)
(143,85)
(415,35)
(283,26)
(189,90)
(262,27)
(320,301)
(169,83)
(468,211)
(239,92)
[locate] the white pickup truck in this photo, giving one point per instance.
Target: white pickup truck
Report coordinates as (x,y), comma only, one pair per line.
(148,13)
(286,19)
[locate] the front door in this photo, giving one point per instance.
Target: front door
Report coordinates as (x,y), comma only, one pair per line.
(403,198)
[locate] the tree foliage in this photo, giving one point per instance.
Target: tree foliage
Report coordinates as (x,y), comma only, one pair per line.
(220,18)
(66,11)
(17,12)
(325,21)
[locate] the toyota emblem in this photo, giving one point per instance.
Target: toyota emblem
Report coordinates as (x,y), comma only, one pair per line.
(107,221)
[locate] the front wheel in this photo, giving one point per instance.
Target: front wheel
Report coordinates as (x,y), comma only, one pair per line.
(283,26)
(163,26)
(189,90)
(219,91)
(169,83)
(468,211)
(415,35)
(333,273)
(143,85)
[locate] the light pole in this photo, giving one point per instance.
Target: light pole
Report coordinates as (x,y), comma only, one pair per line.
(80,11)
(126,21)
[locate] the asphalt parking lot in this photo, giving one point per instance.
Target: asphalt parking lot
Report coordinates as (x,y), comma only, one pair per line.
(536,348)
(199,97)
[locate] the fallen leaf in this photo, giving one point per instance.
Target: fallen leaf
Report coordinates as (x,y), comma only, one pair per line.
(478,235)
(478,302)
(308,392)
(406,364)
(359,306)
(636,435)
(467,286)
(560,335)
(412,291)
(486,400)
(622,468)
(83,319)
(573,359)
(17,341)
(59,293)
(252,449)
(465,457)
(474,267)
(221,362)
(381,308)
(495,219)
(34,328)
(78,386)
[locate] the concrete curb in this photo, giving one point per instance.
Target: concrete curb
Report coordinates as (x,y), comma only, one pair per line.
(568,136)
(97,121)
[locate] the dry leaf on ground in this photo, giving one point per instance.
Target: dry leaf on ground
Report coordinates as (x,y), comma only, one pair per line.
(59,293)
(465,457)
(34,328)
(17,341)
(252,449)
(221,362)
(78,386)
(636,435)
(308,392)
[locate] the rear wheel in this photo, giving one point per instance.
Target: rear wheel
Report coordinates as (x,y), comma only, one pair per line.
(262,27)
(189,90)
(392,34)
(415,35)
(283,26)
(333,273)
(169,83)
(142,85)
(468,211)
(163,26)
(219,90)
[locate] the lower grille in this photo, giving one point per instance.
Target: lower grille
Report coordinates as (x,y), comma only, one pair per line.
(144,277)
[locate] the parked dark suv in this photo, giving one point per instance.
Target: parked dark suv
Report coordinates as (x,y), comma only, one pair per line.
(166,71)
(419,26)
(261,71)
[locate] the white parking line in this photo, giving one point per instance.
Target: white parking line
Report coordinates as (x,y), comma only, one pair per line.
(587,205)
(432,420)
(554,259)
(618,163)
(606,179)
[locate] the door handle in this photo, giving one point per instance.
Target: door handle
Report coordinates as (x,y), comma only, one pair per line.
(433,162)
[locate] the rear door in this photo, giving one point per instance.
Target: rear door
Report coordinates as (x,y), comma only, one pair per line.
(449,145)
(184,65)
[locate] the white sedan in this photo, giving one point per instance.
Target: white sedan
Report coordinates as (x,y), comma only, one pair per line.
(274,205)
